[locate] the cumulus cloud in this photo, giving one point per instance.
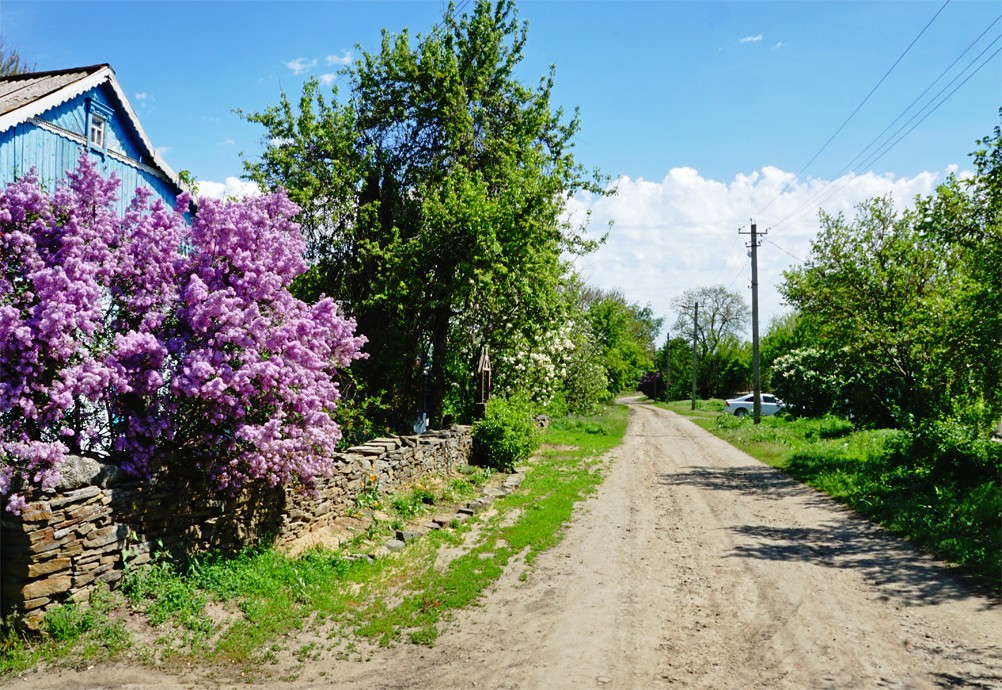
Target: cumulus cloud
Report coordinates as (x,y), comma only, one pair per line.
(142,96)
(751,39)
(231,187)
(301,65)
(328,78)
(682,231)
(344,58)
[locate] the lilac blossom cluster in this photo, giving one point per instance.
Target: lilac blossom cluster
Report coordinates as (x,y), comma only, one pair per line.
(116,343)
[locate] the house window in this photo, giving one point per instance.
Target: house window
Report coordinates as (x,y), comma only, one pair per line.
(98,122)
(96,134)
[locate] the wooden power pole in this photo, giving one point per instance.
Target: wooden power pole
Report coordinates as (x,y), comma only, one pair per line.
(695,326)
(756,372)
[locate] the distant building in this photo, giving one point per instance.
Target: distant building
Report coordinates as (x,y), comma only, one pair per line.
(48,118)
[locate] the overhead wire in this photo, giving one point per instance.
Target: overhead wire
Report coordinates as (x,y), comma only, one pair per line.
(773,243)
(839,182)
(858,107)
(927,89)
(833,188)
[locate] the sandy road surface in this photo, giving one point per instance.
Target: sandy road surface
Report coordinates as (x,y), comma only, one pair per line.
(694,566)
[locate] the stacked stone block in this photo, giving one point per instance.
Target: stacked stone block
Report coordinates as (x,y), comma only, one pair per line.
(71,539)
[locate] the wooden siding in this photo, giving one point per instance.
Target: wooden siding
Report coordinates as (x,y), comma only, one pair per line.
(53,146)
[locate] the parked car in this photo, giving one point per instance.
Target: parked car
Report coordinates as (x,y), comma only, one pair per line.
(745,404)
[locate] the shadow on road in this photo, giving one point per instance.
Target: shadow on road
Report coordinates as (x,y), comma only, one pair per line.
(847,541)
(760,481)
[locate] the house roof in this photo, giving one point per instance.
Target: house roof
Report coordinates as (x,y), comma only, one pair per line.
(23,96)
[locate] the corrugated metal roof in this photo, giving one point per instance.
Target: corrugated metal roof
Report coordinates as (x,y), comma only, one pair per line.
(17,91)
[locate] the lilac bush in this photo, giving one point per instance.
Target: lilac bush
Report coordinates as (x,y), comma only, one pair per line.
(115,343)
(253,385)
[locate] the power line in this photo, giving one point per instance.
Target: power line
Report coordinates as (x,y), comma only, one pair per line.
(829,189)
(861,104)
(927,89)
(836,188)
(773,243)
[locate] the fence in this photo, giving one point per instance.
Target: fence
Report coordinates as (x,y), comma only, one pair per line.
(69,540)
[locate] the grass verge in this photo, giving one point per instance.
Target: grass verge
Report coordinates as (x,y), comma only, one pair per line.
(246,616)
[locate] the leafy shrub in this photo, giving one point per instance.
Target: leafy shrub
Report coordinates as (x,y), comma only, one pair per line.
(653,385)
(585,386)
(506,436)
(953,450)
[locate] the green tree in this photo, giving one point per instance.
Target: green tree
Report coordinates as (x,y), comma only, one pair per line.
(624,334)
(723,363)
(433,199)
(909,302)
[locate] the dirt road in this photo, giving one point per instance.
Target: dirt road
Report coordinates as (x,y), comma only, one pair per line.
(695,566)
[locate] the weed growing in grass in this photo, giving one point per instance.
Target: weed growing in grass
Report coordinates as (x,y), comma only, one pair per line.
(368,494)
(74,631)
(578,424)
(414,503)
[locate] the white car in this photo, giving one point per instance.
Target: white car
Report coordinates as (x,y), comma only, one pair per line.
(739,407)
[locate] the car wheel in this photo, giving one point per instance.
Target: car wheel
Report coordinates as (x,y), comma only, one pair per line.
(740,412)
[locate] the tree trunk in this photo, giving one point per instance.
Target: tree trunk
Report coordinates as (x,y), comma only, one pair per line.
(439,357)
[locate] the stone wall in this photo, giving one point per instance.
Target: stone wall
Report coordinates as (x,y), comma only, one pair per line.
(69,540)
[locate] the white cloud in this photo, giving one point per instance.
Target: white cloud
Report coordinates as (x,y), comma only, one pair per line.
(228,142)
(301,65)
(344,58)
(682,232)
(142,96)
(779,44)
(328,78)
(232,187)
(751,39)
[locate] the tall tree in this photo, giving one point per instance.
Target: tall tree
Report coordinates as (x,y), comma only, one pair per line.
(625,335)
(911,300)
(721,314)
(433,199)
(723,364)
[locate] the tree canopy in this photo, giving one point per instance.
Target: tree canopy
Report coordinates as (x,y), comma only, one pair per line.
(433,197)
(909,302)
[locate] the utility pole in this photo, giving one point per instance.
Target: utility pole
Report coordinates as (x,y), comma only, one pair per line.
(668,366)
(695,326)
(756,373)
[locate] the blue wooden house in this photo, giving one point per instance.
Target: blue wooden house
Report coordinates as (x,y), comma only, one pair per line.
(48,118)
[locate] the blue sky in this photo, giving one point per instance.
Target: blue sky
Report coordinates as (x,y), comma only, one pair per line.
(704,111)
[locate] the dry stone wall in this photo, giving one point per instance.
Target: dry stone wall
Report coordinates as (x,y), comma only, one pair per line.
(71,539)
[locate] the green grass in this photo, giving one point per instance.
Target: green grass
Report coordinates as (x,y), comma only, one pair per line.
(878,475)
(69,632)
(239,612)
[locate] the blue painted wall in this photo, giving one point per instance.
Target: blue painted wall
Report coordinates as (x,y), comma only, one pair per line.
(52,154)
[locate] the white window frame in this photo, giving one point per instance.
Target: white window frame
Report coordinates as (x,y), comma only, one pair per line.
(97,135)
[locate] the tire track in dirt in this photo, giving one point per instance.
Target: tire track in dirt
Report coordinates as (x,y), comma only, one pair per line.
(696,566)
